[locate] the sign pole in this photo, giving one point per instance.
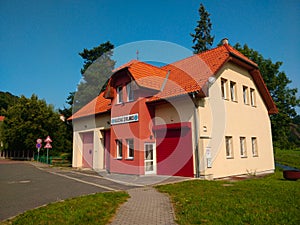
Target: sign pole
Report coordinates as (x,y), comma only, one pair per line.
(47,155)
(38,154)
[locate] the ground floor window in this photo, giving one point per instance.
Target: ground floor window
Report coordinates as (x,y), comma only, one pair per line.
(229,148)
(119,149)
(130,148)
(254,146)
(243,147)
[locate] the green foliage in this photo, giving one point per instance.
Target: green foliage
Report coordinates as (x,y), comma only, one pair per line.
(270,200)
(202,38)
(92,209)
(6,100)
(284,97)
(288,157)
(96,70)
(29,119)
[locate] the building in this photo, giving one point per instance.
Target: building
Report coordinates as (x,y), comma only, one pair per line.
(203,116)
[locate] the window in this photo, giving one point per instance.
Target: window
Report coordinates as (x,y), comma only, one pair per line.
(254,146)
(243,147)
(119,149)
(224,88)
(245,95)
(229,149)
(252,97)
(129,92)
(233,91)
(119,95)
(130,148)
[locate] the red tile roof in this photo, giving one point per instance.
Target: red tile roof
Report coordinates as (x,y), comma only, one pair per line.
(185,76)
(2,118)
(96,106)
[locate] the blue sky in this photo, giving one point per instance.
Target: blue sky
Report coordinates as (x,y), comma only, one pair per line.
(40,39)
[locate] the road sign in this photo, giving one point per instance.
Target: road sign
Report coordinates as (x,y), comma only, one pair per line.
(38,145)
(39,141)
(48,139)
(48,145)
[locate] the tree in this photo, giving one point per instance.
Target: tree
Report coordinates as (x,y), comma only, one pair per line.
(284,97)
(6,99)
(96,70)
(30,119)
(202,38)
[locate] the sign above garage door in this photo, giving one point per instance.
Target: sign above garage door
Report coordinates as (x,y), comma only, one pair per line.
(125,119)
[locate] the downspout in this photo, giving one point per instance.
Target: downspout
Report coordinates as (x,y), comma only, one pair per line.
(196,127)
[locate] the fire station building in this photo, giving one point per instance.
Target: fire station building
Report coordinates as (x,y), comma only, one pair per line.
(203,116)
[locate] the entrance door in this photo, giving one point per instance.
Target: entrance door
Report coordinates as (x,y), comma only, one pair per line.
(150,158)
(88,146)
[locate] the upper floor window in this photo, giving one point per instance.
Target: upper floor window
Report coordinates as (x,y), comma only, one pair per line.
(245,95)
(224,88)
(252,97)
(119,94)
(233,91)
(129,92)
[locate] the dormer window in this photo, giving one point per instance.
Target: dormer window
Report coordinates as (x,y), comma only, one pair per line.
(129,92)
(119,95)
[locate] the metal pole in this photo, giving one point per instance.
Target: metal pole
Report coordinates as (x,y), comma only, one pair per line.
(47,155)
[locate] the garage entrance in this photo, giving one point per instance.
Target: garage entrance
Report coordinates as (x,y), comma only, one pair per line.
(174,149)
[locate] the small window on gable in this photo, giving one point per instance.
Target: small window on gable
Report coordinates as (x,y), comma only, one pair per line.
(224,88)
(119,95)
(252,97)
(233,91)
(245,95)
(129,92)
(119,149)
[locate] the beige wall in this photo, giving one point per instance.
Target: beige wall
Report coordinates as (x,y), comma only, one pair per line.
(233,118)
(90,124)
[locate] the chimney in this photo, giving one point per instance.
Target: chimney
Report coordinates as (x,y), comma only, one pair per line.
(224,41)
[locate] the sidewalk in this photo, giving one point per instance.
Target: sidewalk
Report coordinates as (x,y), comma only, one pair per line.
(145,206)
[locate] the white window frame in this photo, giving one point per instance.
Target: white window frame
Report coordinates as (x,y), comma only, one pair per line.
(252,97)
(119,149)
(229,147)
(130,146)
(129,92)
(243,148)
(119,94)
(245,95)
(224,88)
(233,91)
(254,146)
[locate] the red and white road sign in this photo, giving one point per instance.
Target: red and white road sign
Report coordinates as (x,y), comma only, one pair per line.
(48,145)
(39,141)
(48,139)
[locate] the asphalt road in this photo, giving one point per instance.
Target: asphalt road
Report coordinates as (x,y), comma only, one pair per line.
(24,186)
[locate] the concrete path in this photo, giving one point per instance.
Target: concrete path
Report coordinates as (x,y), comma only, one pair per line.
(146,206)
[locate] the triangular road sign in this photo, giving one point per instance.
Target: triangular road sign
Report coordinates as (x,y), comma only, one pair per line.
(48,145)
(48,139)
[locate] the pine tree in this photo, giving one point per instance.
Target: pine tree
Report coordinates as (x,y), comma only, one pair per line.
(202,38)
(97,68)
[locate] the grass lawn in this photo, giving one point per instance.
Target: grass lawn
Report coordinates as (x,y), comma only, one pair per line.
(288,157)
(91,209)
(269,200)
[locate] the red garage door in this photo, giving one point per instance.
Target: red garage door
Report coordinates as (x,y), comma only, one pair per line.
(174,150)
